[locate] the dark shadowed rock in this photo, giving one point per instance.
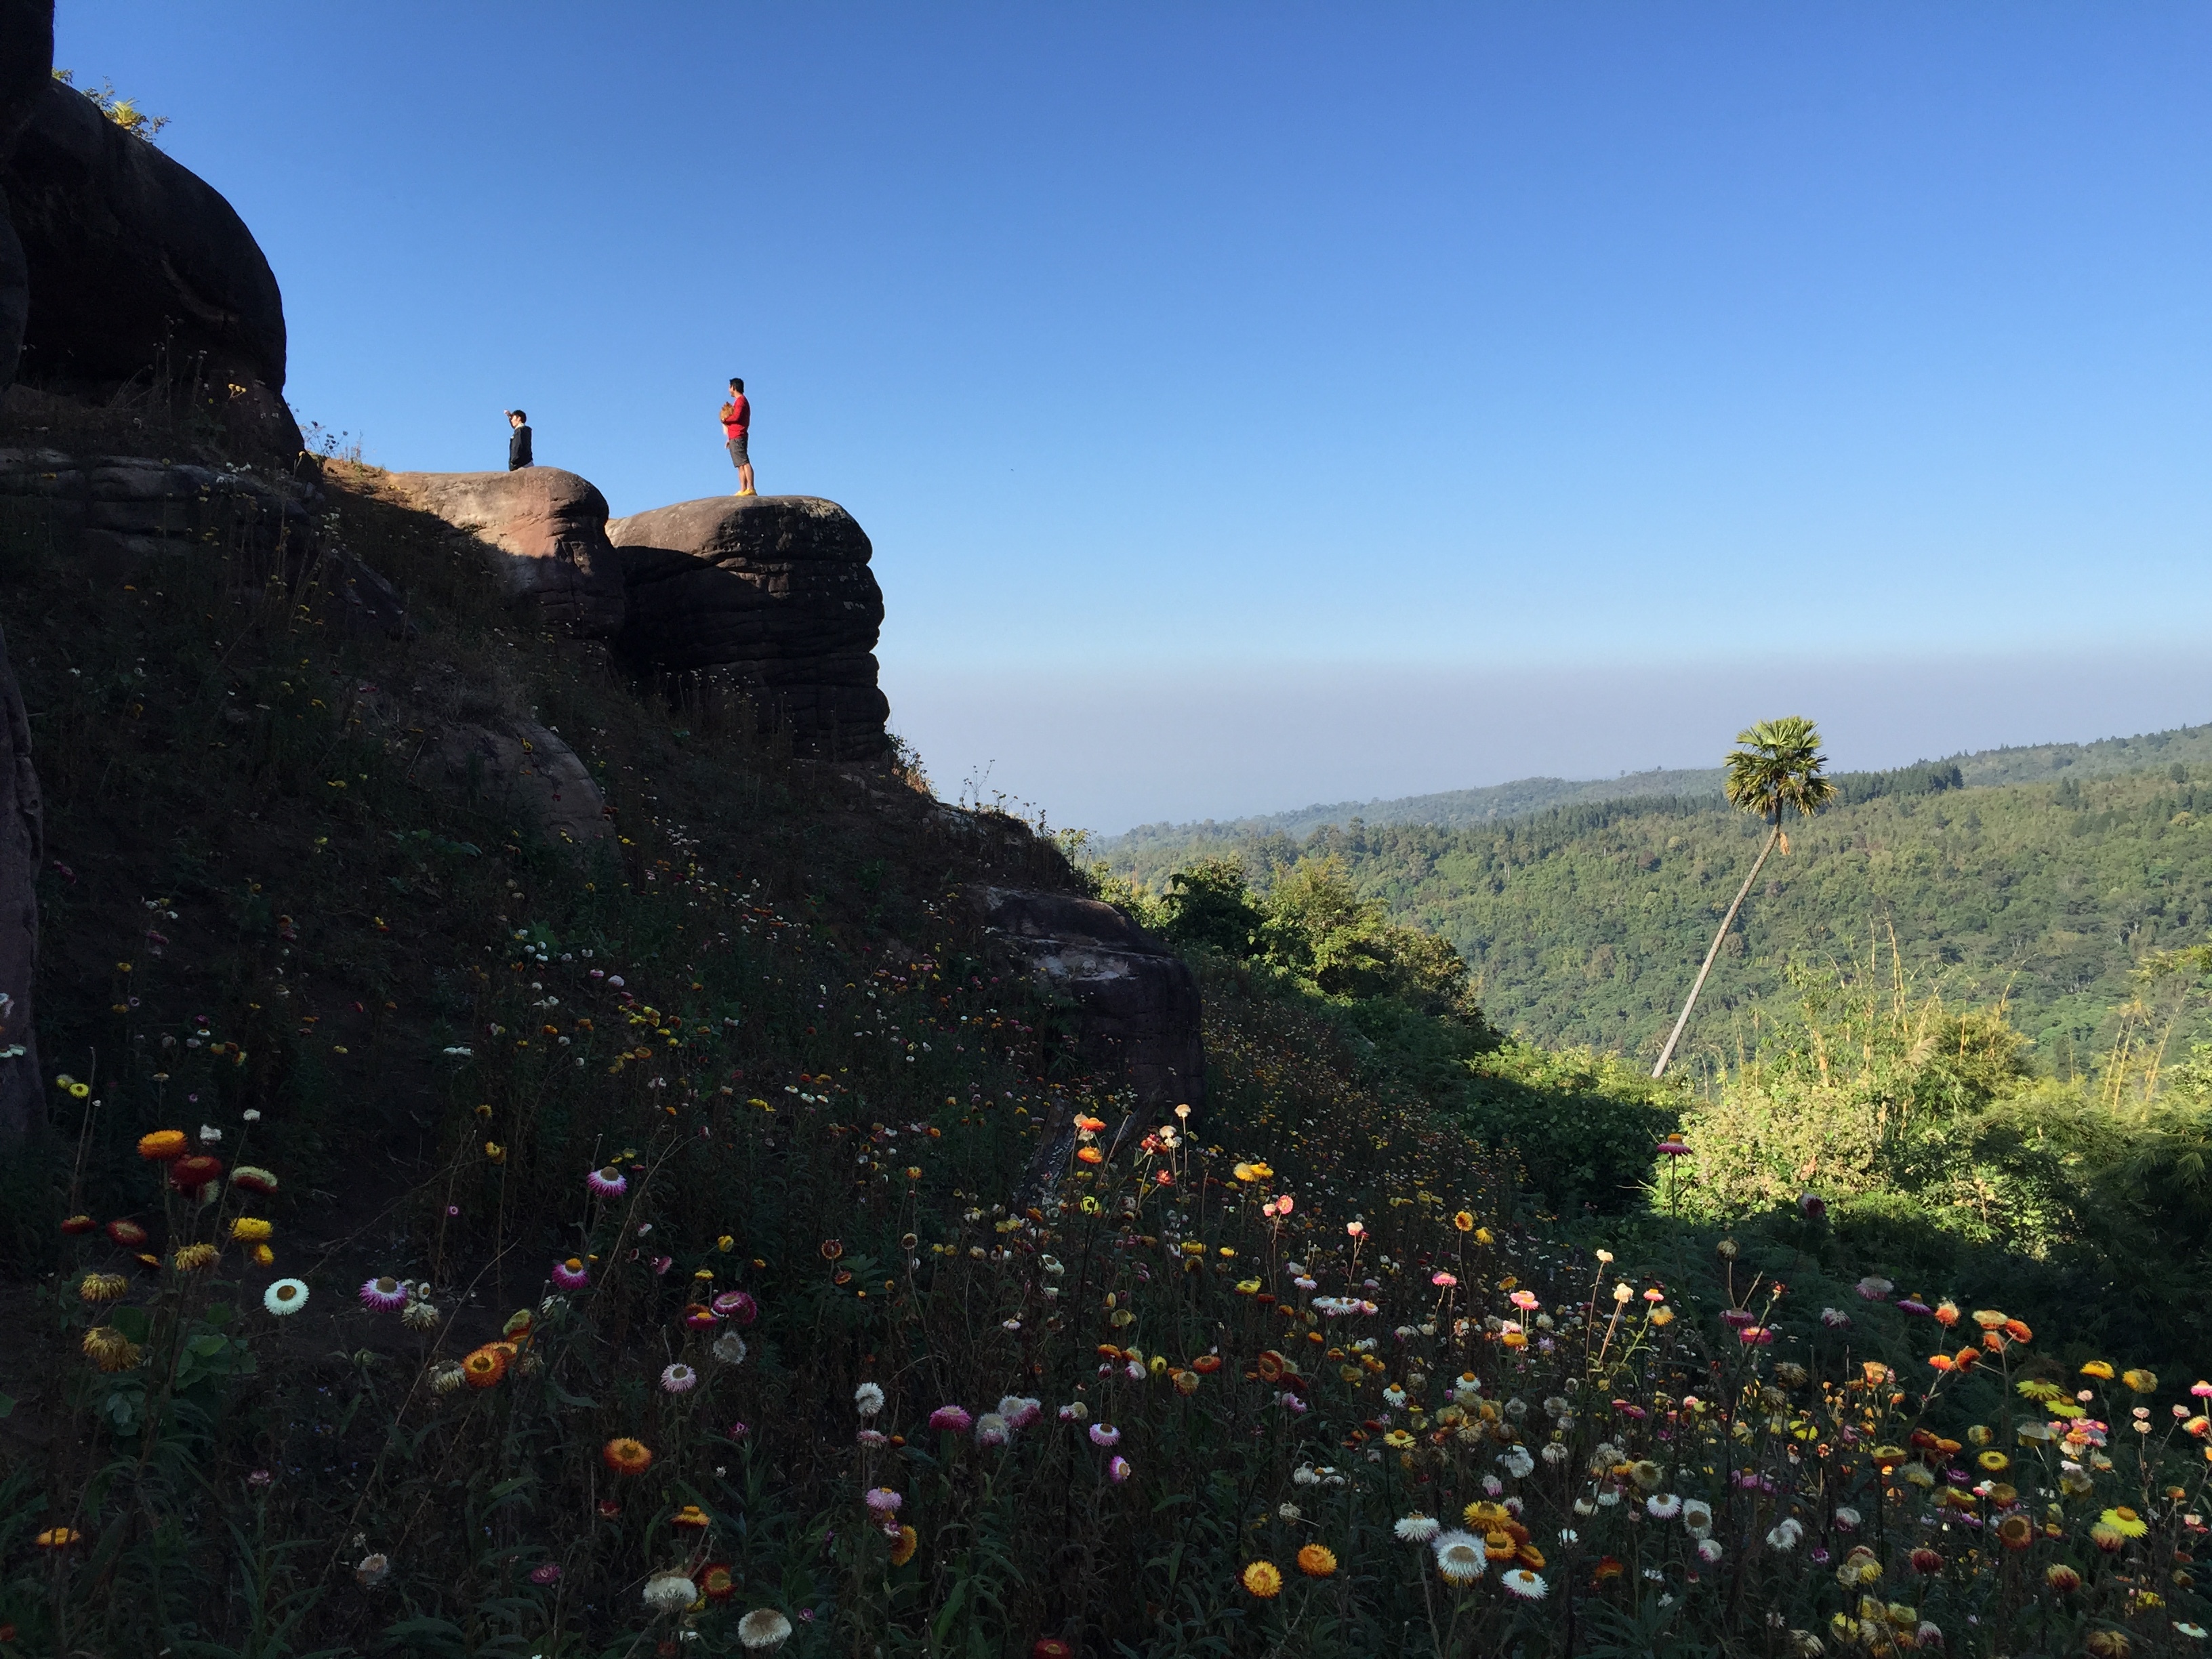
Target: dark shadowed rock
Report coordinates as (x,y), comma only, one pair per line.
(549,531)
(27,63)
(1137,1006)
(22,849)
(772,593)
(141,274)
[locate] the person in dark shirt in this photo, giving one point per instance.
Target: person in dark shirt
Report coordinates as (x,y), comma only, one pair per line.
(518,446)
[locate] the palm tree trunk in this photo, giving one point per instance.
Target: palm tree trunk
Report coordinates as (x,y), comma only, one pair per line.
(1743,893)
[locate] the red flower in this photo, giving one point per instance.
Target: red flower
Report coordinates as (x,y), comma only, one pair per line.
(79,1223)
(128,1234)
(189,1175)
(1927,1561)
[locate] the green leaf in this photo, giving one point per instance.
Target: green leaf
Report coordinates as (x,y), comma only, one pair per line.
(218,1315)
(134,1323)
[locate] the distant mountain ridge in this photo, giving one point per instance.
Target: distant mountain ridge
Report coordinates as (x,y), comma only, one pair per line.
(1525,797)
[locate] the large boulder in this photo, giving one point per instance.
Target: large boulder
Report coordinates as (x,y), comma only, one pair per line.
(27,64)
(1136,1003)
(141,275)
(547,532)
(771,594)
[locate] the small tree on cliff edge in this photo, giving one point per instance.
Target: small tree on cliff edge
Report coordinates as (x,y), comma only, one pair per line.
(1775,766)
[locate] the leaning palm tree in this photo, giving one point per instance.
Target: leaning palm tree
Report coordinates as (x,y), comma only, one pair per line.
(1776,767)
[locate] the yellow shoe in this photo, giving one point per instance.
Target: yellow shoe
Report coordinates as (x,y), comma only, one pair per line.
(749,492)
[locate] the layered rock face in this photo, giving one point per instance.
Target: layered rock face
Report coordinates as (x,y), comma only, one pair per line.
(549,531)
(27,64)
(1136,1002)
(139,273)
(772,594)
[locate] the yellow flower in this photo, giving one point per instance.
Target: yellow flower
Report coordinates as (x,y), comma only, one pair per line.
(1994,1462)
(1482,1235)
(1263,1579)
(2039,1391)
(902,1547)
(1316,1561)
(1397,1440)
(2125,1522)
(264,1256)
(193,1257)
(2099,1369)
(1464,1222)
(251,1230)
(103,1287)
(2141,1382)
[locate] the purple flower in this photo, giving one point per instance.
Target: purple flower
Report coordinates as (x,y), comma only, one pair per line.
(739,1430)
(571,1275)
(950,1418)
(384,1294)
(1118,1470)
(884,1501)
(547,1574)
(1912,1307)
(609,1182)
(259,1477)
(1105,1434)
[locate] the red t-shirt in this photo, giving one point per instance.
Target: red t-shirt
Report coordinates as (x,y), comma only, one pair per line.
(740,418)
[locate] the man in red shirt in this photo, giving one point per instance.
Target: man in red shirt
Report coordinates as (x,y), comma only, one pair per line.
(737,426)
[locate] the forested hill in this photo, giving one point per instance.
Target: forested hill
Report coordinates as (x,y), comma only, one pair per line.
(1586,923)
(1162,846)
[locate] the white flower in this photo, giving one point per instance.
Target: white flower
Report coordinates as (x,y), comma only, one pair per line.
(1461,1557)
(1555,1452)
(252,1115)
(1697,1517)
(1287,1511)
(1395,1395)
(1664,1506)
(1847,1519)
(374,1569)
(419,1316)
(992,1430)
(867,1399)
(1417,1528)
(1517,1463)
(670,1592)
(680,1378)
(764,1628)
(729,1348)
(448,1377)
(286,1295)
(1785,1536)
(210,1135)
(1707,1551)
(1524,1583)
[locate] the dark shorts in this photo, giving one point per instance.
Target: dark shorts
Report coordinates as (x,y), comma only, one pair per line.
(737,449)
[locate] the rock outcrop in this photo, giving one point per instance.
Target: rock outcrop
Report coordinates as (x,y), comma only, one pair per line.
(141,275)
(523,766)
(547,532)
(1136,1001)
(771,594)
(27,64)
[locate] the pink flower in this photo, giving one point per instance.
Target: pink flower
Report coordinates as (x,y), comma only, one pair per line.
(609,1182)
(1357,1229)
(737,1307)
(571,1275)
(384,1294)
(1525,1300)
(1443,1281)
(661,1264)
(1835,1318)
(680,1378)
(1739,1317)
(1105,1434)
(1672,1147)
(884,1501)
(2202,1391)
(1760,1335)
(950,1418)
(1118,1470)
(873,1437)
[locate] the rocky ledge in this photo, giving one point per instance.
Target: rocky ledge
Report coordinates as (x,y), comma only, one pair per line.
(545,530)
(770,594)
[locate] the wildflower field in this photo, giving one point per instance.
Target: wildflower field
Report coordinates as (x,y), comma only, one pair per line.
(449,1240)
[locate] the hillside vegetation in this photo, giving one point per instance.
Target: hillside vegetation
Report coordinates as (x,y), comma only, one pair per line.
(1585,925)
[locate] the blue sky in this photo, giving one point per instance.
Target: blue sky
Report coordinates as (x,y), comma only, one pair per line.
(1200,369)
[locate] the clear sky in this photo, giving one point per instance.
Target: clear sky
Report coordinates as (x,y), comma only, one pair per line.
(1255,405)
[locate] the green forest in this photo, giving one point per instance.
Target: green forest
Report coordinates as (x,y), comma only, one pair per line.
(1583,925)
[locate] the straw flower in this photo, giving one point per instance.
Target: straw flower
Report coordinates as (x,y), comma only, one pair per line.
(1417,1528)
(716,1581)
(868,1399)
(286,1295)
(193,1257)
(764,1629)
(110,1350)
(103,1287)
(2125,1522)
(374,1569)
(163,1144)
(626,1456)
(59,1538)
(482,1367)
(951,1419)
(383,1295)
(729,1348)
(609,1182)
(670,1592)
(572,1274)
(1263,1579)
(1316,1561)
(904,1545)
(690,1516)
(129,1234)
(252,1178)
(251,1230)
(678,1378)
(1461,1557)
(1524,1583)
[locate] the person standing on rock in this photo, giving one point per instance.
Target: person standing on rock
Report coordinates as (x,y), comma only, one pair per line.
(736,418)
(518,446)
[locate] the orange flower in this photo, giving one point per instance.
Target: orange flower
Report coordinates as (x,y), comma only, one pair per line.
(689,1515)
(486,1365)
(1271,1366)
(626,1456)
(716,1581)
(189,1175)
(1090,1155)
(162,1145)
(59,1538)
(903,1547)
(1316,1561)
(1263,1579)
(1608,1566)
(1206,1363)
